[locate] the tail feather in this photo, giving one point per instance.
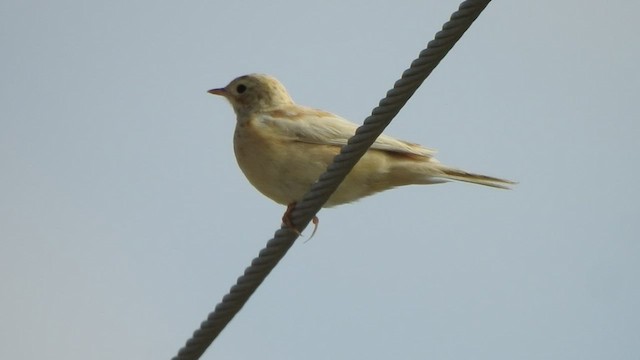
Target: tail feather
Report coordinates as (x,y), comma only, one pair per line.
(460,175)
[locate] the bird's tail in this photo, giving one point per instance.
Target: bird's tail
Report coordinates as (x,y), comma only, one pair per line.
(461,175)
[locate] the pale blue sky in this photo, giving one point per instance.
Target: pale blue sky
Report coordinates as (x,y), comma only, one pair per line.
(124,218)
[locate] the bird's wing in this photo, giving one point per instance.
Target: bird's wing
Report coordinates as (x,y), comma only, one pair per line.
(319,127)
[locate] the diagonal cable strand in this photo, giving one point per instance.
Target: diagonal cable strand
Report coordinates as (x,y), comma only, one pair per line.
(328,182)
(388,107)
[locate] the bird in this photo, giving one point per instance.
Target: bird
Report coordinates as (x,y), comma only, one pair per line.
(282,148)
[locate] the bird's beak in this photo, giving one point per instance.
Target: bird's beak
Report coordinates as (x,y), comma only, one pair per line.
(220,91)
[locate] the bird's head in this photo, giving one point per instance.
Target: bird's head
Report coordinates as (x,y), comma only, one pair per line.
(254,93)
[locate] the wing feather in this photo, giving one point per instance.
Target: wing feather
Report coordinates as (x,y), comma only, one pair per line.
(319,127)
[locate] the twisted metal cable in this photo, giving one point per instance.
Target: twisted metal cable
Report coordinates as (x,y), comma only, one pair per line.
(328,182)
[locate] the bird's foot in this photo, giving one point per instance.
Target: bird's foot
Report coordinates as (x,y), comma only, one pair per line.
(286,220)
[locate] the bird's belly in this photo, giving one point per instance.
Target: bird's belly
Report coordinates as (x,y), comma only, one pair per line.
(281,169)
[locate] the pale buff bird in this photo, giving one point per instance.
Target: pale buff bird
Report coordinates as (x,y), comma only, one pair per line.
(282,148)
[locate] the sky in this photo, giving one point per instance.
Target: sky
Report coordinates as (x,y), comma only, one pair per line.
(124,218)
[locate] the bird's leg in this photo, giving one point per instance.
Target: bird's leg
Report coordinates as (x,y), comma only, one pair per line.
(286,220)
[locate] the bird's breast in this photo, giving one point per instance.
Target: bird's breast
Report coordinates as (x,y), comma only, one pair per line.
(280,168)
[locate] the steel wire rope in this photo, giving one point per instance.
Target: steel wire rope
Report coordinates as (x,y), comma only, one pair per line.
(328,182)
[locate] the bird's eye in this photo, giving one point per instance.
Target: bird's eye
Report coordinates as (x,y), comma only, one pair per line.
(241,88)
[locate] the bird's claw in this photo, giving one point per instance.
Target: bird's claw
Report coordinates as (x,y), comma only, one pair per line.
(286,220)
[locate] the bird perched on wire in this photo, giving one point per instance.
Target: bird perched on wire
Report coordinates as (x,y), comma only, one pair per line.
(282,149)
